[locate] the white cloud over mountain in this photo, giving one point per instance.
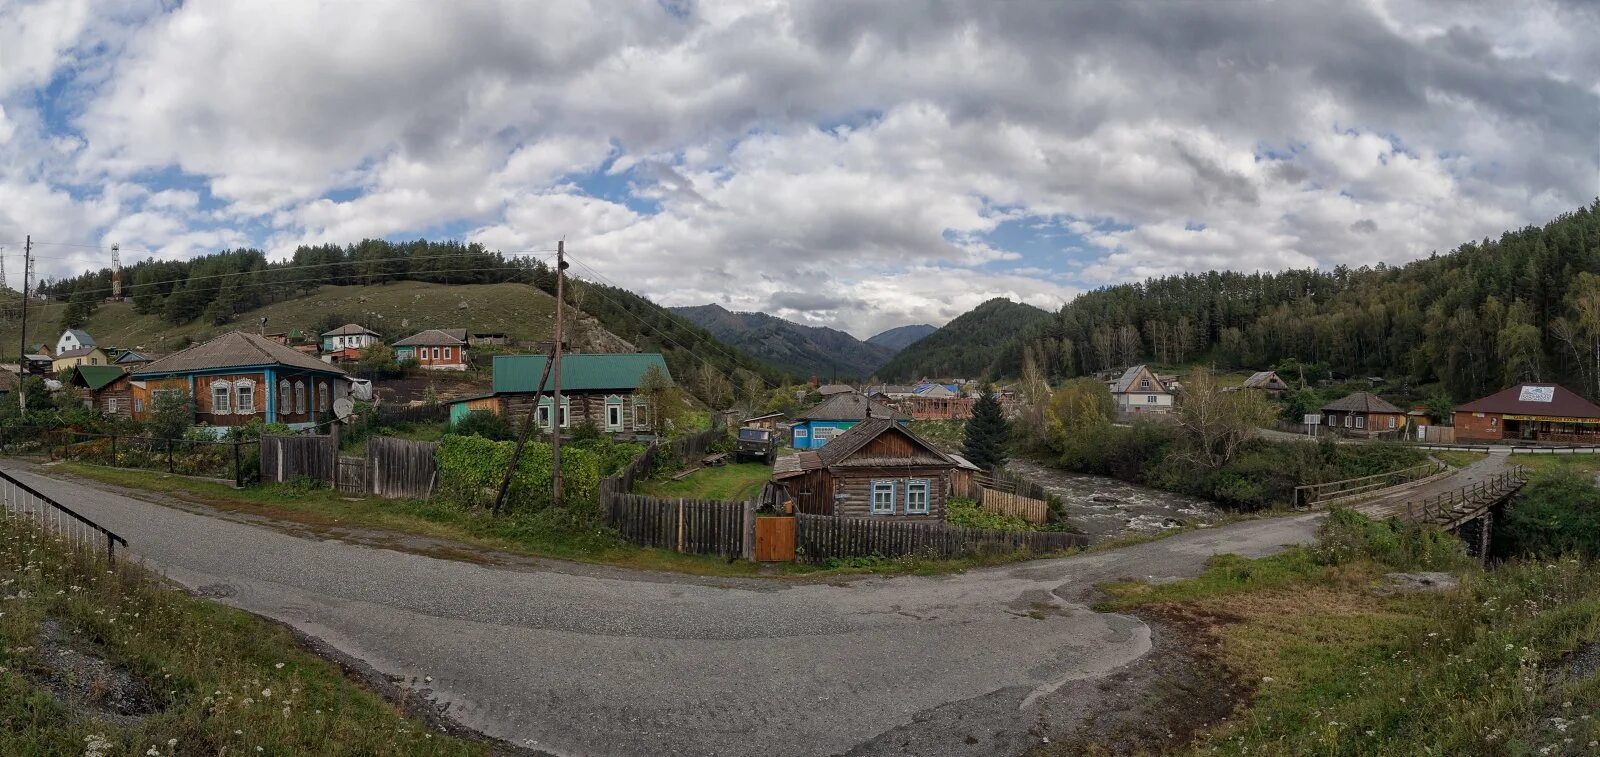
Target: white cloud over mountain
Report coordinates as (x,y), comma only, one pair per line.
(894,162)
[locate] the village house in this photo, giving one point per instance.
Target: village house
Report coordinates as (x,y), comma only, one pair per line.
(828,390)
(73,339)
(131,359)
(239,376)
(1139,390)
(489,339)
(1266,381)
(1529,412)
(434,349)
(38,362)
(1364,414)
(814,428)
(598,389)
(348,337)
(105,388)
(876,469)
(891,392)
(66,361)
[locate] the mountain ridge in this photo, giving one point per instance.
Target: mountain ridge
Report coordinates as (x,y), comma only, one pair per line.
(798,349)
(901,337)
(967,346)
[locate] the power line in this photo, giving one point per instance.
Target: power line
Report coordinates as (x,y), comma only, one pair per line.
(662,334)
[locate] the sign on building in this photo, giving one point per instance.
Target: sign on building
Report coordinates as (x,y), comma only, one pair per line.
(1537,394)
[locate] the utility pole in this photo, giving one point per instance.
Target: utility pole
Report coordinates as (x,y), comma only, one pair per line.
(116,273)
(22,349)
(555,405)
(551,361)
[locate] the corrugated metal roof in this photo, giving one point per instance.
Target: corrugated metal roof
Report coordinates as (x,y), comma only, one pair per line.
(350,329)
(1563,403)
(235,349)
(579,373)
(849,407)
(1362,402)
(432,338)
(83,337)
(1124,385)
(96,376)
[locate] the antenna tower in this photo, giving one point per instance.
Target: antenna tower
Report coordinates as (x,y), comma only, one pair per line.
(116,273)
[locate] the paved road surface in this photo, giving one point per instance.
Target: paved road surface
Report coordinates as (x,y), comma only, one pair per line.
(585,661)
(1490,466)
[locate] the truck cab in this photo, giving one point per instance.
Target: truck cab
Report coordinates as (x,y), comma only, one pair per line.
(756,443)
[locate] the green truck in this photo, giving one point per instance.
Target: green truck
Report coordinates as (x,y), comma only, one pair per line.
(756,443)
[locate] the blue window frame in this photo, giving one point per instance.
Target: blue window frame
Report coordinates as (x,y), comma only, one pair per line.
(917,497)
(882,498)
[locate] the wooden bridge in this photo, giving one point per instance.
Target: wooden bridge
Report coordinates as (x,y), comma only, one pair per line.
(1467,508)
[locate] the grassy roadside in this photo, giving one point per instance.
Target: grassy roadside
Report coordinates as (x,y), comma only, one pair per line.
(1459,459)
(1586,464)
(110,661)
(321,508)
(1337,669)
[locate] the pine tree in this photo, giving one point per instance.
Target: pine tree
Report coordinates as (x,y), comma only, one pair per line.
(987,433)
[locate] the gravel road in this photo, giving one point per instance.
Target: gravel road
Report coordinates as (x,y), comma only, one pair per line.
(577,661)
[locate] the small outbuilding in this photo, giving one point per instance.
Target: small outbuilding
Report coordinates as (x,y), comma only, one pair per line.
(832,417)
(1266,381)
(1530,412)
(876,469)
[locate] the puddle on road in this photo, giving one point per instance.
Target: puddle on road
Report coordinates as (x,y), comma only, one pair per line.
(1105,508)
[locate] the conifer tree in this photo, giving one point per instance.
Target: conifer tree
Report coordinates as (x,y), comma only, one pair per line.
(987,433)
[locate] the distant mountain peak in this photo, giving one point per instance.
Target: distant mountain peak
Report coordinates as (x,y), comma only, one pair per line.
(901,337)
(798,349)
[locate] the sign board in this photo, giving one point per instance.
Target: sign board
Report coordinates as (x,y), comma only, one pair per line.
(1313,419)
(1537,394)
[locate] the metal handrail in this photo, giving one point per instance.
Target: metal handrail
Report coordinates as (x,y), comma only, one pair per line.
(75,530)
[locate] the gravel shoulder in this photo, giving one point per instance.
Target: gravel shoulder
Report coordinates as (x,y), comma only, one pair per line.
(619,662)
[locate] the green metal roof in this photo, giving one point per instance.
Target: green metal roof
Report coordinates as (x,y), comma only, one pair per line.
(579,373)
(97,376)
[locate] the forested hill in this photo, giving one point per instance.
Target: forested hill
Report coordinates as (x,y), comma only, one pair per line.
(1489,314)
(967,346)
(803,351)
(901,337)
(218,291)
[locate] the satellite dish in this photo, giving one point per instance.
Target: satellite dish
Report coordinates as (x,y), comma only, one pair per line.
(342,407)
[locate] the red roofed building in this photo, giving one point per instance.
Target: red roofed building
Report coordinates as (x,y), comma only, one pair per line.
(1530,412)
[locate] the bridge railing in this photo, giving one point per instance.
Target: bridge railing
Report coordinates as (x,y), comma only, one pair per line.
(1320,495)
(1444,509)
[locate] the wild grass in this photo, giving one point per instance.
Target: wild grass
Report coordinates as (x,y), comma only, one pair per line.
(733,482)
(221,681)
(1588,465)
(1339,670)
(1458,459)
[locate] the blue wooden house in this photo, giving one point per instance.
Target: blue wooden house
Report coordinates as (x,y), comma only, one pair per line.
(833,416)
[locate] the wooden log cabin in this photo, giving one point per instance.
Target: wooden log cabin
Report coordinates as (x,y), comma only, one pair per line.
(596,389)
(876,469)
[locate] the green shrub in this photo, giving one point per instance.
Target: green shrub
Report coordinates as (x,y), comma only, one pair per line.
(967,513)
(1557,512)
(486,424)
(1347,536)
(470,469)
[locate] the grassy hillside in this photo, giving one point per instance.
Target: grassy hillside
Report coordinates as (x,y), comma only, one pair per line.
(395,310)
(967,346)
(800,350)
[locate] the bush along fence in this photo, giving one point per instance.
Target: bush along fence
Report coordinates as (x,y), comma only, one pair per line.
(236,461)
(680,451)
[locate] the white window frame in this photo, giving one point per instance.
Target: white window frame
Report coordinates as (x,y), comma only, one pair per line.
(446,353)
(1349,420)
(285,397)
(221,402)
(613,405)
(1391,421)
(299,398)
(435,354)
(566,411)
(1150,399)
(543,415)
(323,403)
(880,498)
(926,490)
(641,414)
(1361,422)
(111,405)
(241,389)
(138,405)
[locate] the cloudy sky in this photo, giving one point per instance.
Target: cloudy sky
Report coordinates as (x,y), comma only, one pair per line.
(855,164)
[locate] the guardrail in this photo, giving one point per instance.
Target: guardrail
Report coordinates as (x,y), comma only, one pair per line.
(1317,495)
(1460,504)
(21,500)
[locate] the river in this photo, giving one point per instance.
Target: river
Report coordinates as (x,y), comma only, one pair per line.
(1106,508)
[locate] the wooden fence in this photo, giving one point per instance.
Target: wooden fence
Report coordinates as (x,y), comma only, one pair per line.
(820,538)
(684,449)
(401,468)
(285,458)
(1333,492)
(694,526)
(1005,503)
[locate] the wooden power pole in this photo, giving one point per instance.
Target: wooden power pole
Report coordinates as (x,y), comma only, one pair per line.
(558,420)
(552,361)
(22,351)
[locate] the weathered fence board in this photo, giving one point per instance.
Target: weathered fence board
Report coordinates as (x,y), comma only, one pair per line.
(820,538)
(401,468)
(352,475)
(285,458)
(701,527)
(1005,503)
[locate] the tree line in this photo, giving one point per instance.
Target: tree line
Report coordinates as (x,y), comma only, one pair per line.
(1525,307)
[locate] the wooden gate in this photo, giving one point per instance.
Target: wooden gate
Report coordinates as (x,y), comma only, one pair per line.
(352,475)
(775,539)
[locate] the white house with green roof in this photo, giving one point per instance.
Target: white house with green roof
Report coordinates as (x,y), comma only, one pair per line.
(601,389)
